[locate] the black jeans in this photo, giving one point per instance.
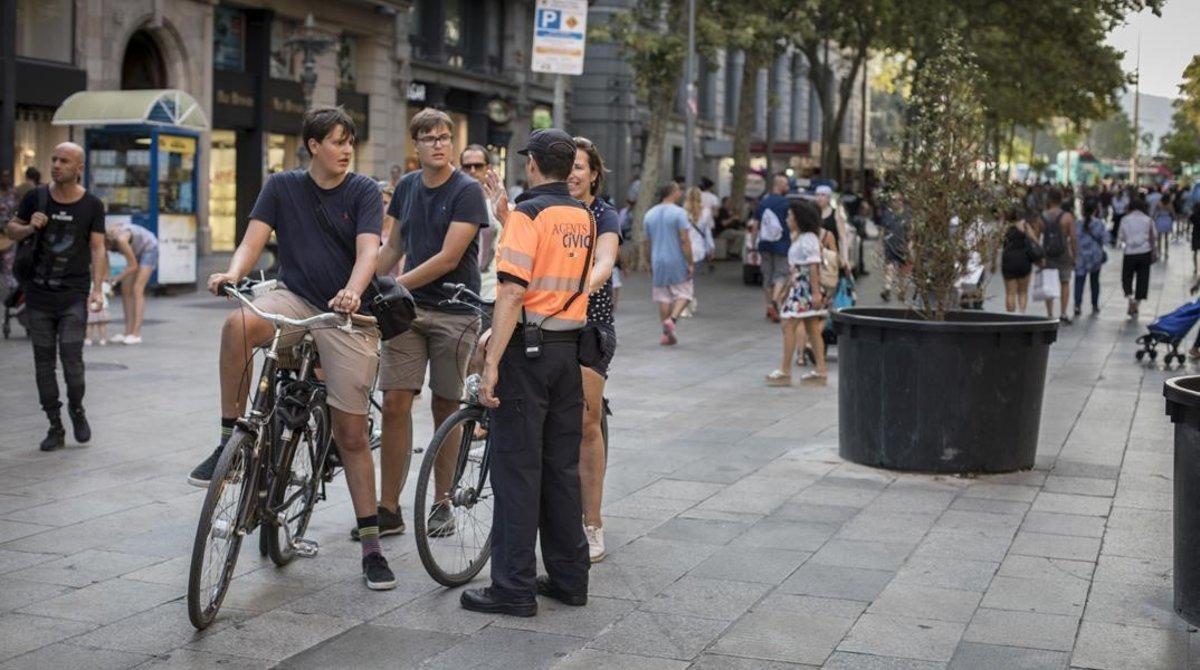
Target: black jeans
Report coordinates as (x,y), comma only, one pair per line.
(1139,265)
(58,334)
(1094,279)
(535,435)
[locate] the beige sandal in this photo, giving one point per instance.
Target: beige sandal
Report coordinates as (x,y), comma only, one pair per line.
(813,379)
(779,378)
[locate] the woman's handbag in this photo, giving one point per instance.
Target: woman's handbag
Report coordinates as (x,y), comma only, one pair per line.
(830,268)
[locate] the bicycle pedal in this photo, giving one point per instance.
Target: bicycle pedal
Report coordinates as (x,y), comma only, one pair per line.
(305,548)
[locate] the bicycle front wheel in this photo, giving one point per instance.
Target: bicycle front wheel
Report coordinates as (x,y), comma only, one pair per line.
(453,509)
(218,533)
(296,484)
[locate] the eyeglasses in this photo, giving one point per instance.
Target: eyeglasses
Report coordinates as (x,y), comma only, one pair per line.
(434,140)
(474,166)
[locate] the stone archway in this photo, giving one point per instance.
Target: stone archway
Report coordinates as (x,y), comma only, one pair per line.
(144,65)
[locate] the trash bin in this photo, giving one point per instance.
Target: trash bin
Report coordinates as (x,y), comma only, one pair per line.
(1183,406)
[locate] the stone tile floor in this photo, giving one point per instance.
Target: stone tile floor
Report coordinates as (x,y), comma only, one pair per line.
(738,538)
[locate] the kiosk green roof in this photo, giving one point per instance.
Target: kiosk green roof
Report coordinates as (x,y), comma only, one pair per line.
(162,107)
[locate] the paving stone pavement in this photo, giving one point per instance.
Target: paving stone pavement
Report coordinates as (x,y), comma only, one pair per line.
(737,537)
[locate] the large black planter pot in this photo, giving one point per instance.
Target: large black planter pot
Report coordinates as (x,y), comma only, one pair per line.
(961,395)
(1183,406)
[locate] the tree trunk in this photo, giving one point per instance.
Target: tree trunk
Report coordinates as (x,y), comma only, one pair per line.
(845,92)
(660,113)
(1012,160)
(741,136)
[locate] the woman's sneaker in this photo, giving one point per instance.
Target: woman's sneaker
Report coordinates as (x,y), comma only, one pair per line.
(595,538)
(378,575)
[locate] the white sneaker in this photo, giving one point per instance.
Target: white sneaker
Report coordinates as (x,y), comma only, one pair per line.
(87,341)
(132,339)
(117,339)
(595,538)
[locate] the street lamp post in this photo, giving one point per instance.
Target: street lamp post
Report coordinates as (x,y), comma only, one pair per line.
(689,142)
(312,44)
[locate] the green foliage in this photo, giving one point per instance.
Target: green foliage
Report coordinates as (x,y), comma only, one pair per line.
(1112,137)
(1182,145)
(951,208)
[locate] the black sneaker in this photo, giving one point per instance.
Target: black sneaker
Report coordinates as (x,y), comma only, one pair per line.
(441,522)
(204,472)
(377,573)
(390,523)
(79,425)
(55,437)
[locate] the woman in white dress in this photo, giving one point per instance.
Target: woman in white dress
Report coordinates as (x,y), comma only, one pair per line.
(806,304)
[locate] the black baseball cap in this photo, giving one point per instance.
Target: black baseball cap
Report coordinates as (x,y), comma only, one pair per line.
(548,141)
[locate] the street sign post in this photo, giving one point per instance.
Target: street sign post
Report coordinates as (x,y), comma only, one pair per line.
(559,36)
(559,39)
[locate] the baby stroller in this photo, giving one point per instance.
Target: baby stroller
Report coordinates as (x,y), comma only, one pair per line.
(845,296)
(1169,329)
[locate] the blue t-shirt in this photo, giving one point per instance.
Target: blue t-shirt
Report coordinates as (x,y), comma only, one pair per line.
(668,265)
(779,205)
(423,216)
(310,265)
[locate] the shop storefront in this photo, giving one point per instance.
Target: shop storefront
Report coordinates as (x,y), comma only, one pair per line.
(37,75)
(142,151)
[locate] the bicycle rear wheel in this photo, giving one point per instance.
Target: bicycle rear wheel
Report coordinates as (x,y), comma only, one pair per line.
(296,484)
(218,535)
(454,528)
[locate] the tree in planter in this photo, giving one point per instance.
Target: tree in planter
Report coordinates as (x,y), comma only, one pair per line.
(951,207)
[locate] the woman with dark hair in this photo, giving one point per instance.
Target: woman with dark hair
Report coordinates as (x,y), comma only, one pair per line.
(1016,260)
(1090,257)
(1137,232)
(805,302)
(585,181)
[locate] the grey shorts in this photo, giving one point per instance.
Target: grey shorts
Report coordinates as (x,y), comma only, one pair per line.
(774,268)
(149,257)
(441,341)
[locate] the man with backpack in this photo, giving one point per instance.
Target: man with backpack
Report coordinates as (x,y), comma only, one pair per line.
(1060,245)
(61,262)
(770,221)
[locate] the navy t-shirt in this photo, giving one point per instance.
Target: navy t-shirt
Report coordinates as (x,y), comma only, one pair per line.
(310,265)
(63,259)
(423,216)
(600,303)
(778,204)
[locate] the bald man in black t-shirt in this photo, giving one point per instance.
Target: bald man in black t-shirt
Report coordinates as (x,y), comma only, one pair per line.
(68,262)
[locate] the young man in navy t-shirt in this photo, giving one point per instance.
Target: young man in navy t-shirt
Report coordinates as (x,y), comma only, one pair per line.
(437,212)
(318,275)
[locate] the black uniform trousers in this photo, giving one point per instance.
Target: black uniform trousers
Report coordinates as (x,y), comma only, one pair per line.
(58,333)
(535,437)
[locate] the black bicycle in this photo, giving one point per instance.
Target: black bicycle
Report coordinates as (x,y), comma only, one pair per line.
(453,518)
(272,470)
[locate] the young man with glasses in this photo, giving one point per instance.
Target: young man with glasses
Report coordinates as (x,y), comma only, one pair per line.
(437,213)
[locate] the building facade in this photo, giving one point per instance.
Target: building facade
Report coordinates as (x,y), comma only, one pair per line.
(605,108)
(386,59)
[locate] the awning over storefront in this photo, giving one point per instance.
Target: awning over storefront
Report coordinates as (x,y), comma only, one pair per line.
(166,107)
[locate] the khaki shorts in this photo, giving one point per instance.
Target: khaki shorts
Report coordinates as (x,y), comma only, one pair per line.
(440,340)
(348,360)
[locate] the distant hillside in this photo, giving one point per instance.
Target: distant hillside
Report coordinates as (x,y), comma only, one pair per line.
(1155,115)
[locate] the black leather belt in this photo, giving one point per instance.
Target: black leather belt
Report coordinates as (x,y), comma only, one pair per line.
(571,336)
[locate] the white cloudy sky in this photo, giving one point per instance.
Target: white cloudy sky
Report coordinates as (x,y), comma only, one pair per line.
(1168,44)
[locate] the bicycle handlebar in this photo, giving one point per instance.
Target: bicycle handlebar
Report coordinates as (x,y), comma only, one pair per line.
(278,319)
